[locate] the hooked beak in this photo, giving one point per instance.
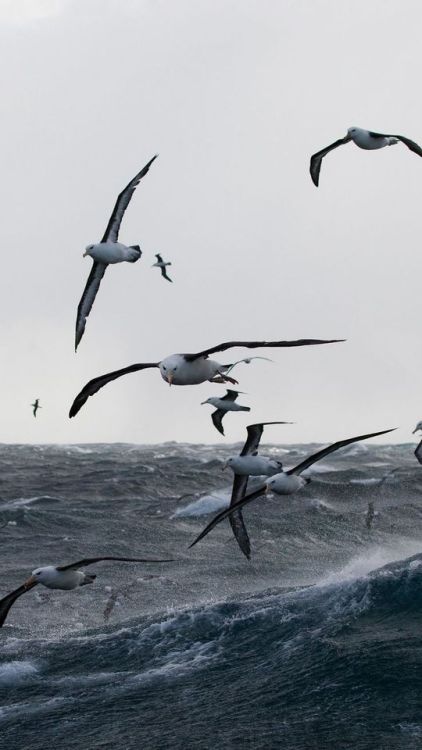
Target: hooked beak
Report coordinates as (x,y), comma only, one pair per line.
(170,377)
(267,489)
(224,466)
(30,582)
(85,254)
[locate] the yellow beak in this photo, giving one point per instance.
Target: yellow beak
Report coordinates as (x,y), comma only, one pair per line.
(170,377)
(30,582)
(85,254)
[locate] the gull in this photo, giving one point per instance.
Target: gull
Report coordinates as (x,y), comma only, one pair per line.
(161,264)
(418,451)
(248,463)
(36,406)
(365,139)
(108,251)
(64,577)
(223,405)
(187,369)
(285,482)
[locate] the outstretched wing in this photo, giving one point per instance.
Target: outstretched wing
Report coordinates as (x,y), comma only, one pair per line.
(407,142)
(91,560)
(112,232)
(418,452)
(254,437)
(97,383)
(164,273)
(230,396)
(8,601)
(258,344)
(237,523)
(87,300)
(159,257)
(331,448)
(228,512)
(217,420)
(316,159)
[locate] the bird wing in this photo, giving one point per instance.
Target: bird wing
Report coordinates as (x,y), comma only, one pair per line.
(91,560)
(407,142)
(159,257)
(164,273)
(228,512)
(254,437)
(331,448)
(217,420)
(237,522)
(255,344)
(112,232)
(94,385)
(8,601)
(316,159)
(418,452)
(230,396)
(87,300)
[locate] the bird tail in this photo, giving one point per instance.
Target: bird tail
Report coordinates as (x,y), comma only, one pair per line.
(245,408)
(89,578)
(391,141)
(138,253)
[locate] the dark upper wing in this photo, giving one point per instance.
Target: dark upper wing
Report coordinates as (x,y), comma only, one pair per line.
(164,273)
(237,523)
(230,396)
(91,560)
(159,257)
(8,601)
(254,436)
(418,452)
(316,159)
(88,297)
(407,142)
(112,232)
(331,448)
(258,344)
(217,420)
(94,385)
(228,512)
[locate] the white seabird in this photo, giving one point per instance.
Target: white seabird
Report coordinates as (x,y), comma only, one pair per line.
(223,405)
(418,450)
(285,482)
(64,577)
(365,139)
(188,369)
(248,463)
(161,264)
(108,251)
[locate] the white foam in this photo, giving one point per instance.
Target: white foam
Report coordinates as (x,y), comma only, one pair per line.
(204,505)
(16,672)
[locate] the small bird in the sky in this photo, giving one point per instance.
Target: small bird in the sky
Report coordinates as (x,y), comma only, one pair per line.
(365,139)
(285,482)
(189,369)
(161,264)
(36,406)
(223,405)
(108,251)
(65,577)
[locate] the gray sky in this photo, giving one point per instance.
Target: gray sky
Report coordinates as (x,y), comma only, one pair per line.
(234,95)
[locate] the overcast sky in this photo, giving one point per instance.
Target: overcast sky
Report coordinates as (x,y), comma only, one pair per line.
(234,95)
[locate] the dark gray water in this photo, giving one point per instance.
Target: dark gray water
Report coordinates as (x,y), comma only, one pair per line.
(315,643)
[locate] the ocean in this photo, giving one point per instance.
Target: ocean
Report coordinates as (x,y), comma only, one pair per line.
(314,644)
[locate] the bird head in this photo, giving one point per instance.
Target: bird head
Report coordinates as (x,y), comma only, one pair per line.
(88,250)
(228,464)
(40,575)
(169,367)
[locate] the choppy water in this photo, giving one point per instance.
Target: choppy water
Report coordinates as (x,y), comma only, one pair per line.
(315,643)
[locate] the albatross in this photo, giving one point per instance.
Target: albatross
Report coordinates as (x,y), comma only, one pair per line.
(188,369)
(36,406)
(108,251)
(64,577)
(285,482)
(161,264)
(247,464)
(223,404)
(365,139)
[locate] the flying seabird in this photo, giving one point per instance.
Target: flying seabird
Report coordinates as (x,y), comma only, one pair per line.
(161,264)
(188,369)
(223,405)
(365,139)
(63,577)
(109,250)
(248,463)
(418,450)
(285,482)
(36,406)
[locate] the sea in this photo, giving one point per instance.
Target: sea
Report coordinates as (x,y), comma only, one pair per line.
(313,644)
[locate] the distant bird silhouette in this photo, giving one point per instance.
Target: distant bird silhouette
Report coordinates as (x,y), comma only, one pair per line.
(162,264)
(36,406)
